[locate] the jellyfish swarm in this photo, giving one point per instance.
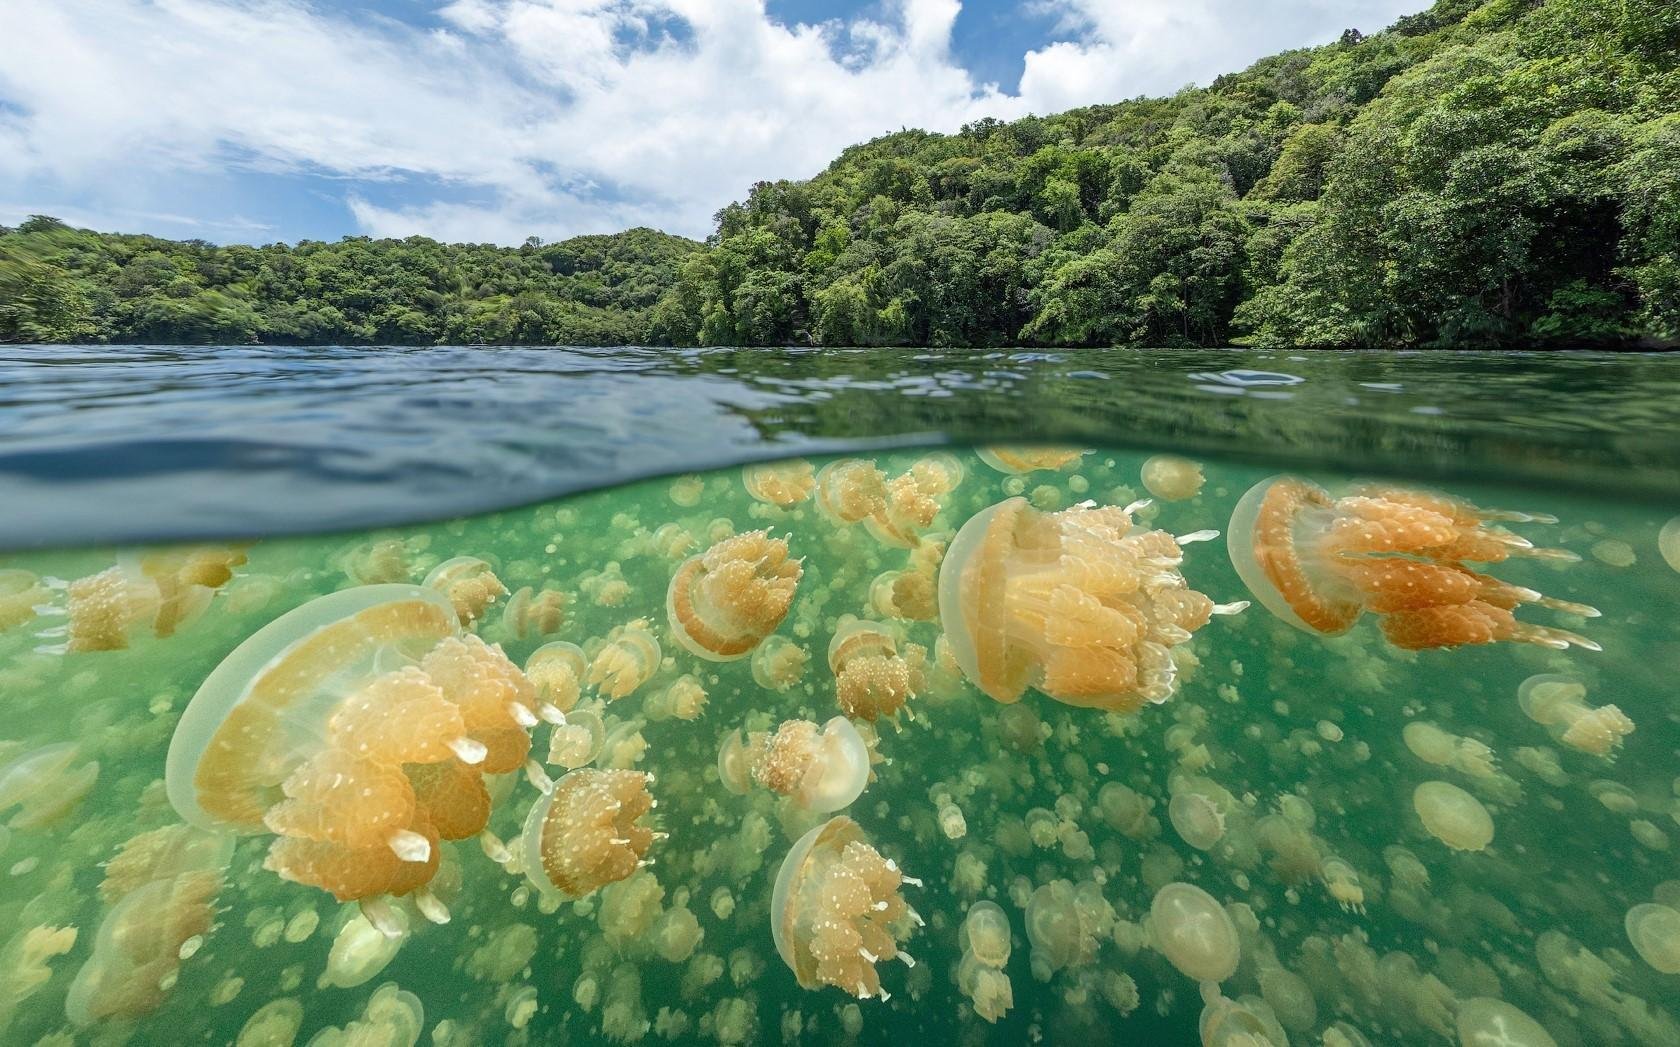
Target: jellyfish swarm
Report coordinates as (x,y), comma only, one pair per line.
(357,729)
(1319,563)
(1076,603)
(165,589)
(819,768)
(586,831)
(836,910)
(722,603)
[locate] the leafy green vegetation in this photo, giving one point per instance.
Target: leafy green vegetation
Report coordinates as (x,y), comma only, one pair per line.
(1488,172)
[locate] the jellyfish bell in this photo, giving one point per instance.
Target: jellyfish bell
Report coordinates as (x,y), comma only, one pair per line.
(836,910)
(627,660)
(534,612)
(391,1018)
(586,831)
(1171,478)
(1668,542)
(1077,604)
(1559,704)
(1194,932)
(557,670)
(778,663)
(985,933)
(360,951)
(1016,459)
(1483,1021)
(819,769)
(1320,563)
(872,678)
(139,947)
(724,602)
(734,763)
(577,741)
(1196,818)
(469,583)
(850,490)
(1654,931)
(45,784)
(1453,816)
(783,484)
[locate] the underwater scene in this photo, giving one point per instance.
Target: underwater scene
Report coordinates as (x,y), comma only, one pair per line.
(998,745)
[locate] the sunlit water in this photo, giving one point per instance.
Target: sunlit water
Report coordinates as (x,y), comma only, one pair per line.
(1353,920)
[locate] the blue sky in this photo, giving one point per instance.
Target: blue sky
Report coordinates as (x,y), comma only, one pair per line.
(491,120)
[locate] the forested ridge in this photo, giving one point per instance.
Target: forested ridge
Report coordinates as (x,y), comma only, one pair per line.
(1488,172)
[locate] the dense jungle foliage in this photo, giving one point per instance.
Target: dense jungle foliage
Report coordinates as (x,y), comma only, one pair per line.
(1488,172)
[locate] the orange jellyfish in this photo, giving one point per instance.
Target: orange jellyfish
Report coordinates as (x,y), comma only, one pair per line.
(821,769)
(470,583)
(586,832)
(784,484)
(165,589)
(850,490)
(837,910)
(722,603)
(357,729)
(557,670)
(1319,563)
(534,613)
(1014,459)
(629,658)
(1078,604)
(872,678)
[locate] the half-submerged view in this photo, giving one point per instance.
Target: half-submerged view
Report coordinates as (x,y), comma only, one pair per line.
(1023,584)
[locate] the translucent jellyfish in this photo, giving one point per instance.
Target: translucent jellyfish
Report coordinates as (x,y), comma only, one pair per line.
(25,965)
(274,1024)
(1320,563)
(837,911)
(1668,542)
(676,934)
(909,504)
(850,490)
(1171,478)
(1654,931)
(1342,884)
(1017,459)
(1076,603)
(521,1007)
(1453,816)
(989,988)
(783,483)
(379,561)
(577,741)
(735,763)
(683,699)
(627,660)
(821,769)
(1559,704)
(360,950)
(1194,932)
(138,948)
(1065,925)
(871,678)
(1196,818)
(45,784)
(20,593)
(1486,1022)
(687,489)
(605,587)
(392,1018)
(531,613)
(778,663)
(469,583)
(722,603)
(985,933)
(586,832)
(629,908)
(556,670)
(162,854)
(163,589)
(1433,745)
(357,729)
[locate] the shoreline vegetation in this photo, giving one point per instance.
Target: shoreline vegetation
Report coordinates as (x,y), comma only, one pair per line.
(1485,173)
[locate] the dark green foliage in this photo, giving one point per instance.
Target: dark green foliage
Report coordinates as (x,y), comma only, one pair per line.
(1487,172)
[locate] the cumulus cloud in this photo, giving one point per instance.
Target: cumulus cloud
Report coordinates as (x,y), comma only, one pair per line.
(553,117)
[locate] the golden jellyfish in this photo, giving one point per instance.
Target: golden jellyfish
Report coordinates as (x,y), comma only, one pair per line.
(1194,932)
(1559,704)
(1483,1021)
(1197,819)
(1453,816)
(871,678)
(837,910)
(1668,542)
(470,584)
(606,587)
(683,699)
(686,490)
(557,670)
(850,490)
(26,964)
(906,595)
(1066,924)
(820,769)
(309,731)
(45,784)
(985,933)
(163,854)
(392,1018)
(785,483)
(909,504)
(579,740)
(1433,745)
(735,763)
(274,1024)
(724,602)
(1017,459)
(587,831)
(1171,478)
(1320,563)
(1077,604)
(1654,932)
(164,589)
(533,613)
(938,473)
(360,951)
(379,561)
(20,593)
(628,659)
(778,663)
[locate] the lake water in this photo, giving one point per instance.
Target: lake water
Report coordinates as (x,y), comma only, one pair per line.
(565,748)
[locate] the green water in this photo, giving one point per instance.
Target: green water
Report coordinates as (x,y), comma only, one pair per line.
(1301,731)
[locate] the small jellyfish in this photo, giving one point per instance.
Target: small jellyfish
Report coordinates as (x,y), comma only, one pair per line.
(1453,816)
(139,947)
(722,603)
(1196,818)
(1077,603)
(556,670)
(985,933)
(1016,459)
(274,1024)
(1342,884)
(1320,563)
(532,613)
(161,854)
(20,593)
(785,483)
(470,584)
(735,763)
(586,832)
(1066,924)
(392,1018)
(45,784)
(163,589)
(778,663)
(1654,931)
(360,951)
(628,659)
(577,741)
(1559,704)
(821,769)
(605,587)
(850,490)
(687,489)
(871,678)
(1433,745)
(683,699)
(837,910)
(1194,932)
(1483,1021)
(1171,478)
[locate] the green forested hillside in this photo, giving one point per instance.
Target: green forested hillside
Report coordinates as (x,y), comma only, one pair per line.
(1503,172)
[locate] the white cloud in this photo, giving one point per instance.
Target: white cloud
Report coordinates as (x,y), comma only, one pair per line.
(543,116)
